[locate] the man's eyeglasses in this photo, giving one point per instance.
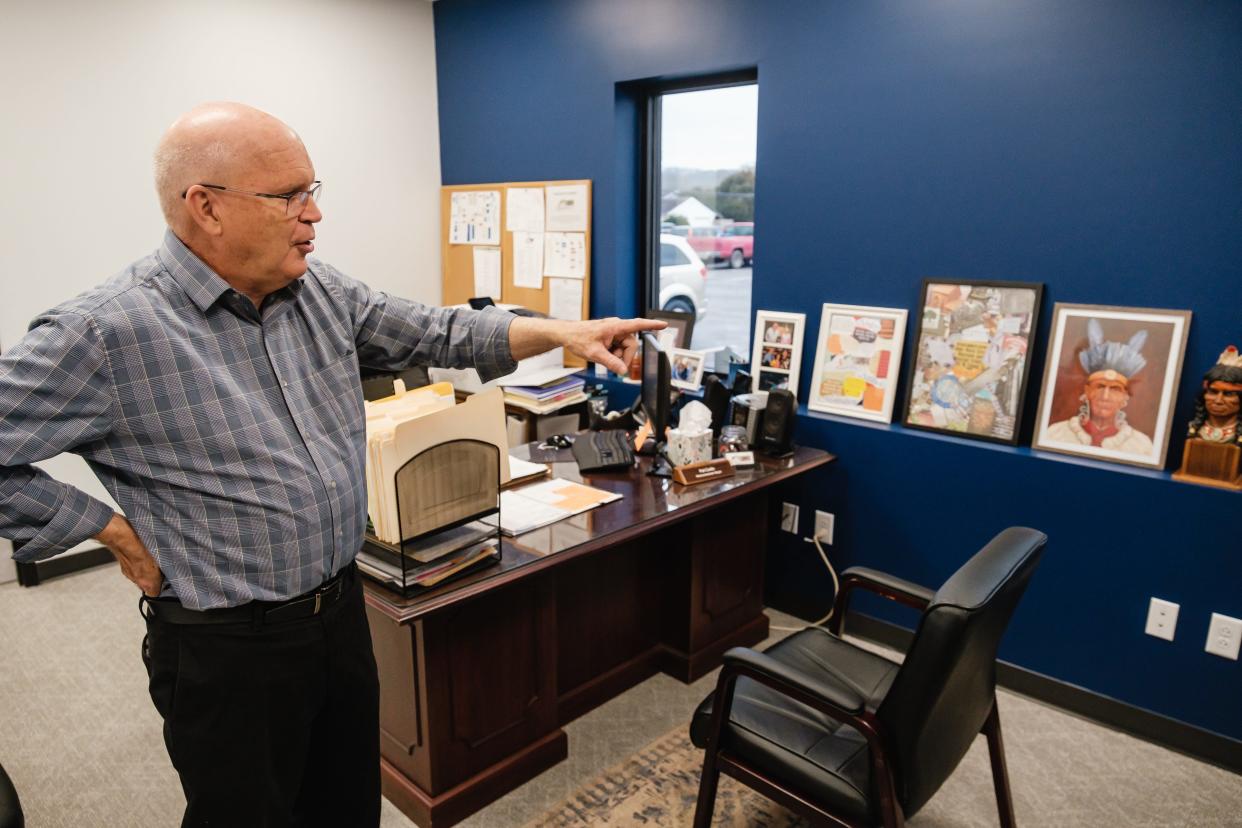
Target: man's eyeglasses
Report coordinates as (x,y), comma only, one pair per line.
(295,202)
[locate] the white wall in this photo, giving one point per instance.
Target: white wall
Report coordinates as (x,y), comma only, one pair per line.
(89,86)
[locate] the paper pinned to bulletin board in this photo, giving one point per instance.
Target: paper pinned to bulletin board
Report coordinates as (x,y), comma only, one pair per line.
(542,230)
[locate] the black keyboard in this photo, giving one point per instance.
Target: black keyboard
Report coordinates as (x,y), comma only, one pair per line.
(603,450)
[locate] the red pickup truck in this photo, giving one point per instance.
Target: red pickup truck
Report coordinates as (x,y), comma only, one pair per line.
(732,243)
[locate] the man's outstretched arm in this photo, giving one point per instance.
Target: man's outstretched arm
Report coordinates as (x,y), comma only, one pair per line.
(611,342)
(392,333)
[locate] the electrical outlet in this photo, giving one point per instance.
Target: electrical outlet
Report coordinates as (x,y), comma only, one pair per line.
(1224,633)
(1161,618)
(789,517)
(825,523)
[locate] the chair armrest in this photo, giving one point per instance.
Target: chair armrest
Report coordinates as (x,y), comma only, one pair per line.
(881,583)
(890,586)
(781,677)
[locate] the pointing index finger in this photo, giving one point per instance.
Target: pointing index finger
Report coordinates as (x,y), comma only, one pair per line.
(637,325)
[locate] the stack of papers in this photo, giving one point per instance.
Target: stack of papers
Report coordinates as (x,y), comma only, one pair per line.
(549,396)
(408,423)
(428,574)
(539,504)
(556,389)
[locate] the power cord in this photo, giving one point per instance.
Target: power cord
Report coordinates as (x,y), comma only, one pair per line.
(836,587)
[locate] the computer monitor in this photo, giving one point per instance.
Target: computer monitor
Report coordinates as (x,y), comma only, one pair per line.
(656,393)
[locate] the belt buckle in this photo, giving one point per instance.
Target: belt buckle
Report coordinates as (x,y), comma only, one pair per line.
(338,586)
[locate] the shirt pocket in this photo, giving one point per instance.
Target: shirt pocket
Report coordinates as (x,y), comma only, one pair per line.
(336,391)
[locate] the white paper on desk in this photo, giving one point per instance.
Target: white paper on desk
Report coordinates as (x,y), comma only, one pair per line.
(565,299)
(528,260)
(518,515)
(475,217)
(567,208)
(520,468)
(538,504)
(524,209)
(564,254)
(487,272)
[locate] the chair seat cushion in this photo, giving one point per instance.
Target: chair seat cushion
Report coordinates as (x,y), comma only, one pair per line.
(810,752)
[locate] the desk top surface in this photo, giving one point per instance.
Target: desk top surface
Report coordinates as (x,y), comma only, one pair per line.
(647,503)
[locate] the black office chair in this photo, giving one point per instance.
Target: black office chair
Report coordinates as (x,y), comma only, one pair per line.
(10,806)
(845,737)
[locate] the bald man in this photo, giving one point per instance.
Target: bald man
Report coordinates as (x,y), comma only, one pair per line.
(213,386)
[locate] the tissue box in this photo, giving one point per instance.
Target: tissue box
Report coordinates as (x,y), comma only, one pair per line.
(689,446)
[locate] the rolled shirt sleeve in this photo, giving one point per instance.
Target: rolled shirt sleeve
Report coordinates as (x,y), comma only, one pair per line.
(55,395)
(393,333)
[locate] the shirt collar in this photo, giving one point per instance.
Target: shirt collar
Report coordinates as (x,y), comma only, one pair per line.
(202,284)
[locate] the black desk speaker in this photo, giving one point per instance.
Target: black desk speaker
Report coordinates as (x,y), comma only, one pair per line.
(716,398)
(776,428)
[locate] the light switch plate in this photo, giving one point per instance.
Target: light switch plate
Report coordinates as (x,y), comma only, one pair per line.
(1161,618)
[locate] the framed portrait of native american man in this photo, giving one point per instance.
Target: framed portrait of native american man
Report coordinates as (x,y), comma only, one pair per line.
(1110,382)
(969,371)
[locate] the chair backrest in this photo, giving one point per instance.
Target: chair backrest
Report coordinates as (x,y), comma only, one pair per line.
(946,686)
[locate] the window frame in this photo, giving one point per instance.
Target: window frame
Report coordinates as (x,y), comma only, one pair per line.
(649,189)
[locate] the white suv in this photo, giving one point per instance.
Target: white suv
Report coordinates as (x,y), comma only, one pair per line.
(683,277)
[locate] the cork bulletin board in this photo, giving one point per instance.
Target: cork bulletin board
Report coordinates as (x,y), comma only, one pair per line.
(457,254)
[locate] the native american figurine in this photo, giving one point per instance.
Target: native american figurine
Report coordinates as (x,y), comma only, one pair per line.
(1216,407)
(1213,449)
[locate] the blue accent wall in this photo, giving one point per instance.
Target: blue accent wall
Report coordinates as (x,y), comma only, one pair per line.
(1094,146)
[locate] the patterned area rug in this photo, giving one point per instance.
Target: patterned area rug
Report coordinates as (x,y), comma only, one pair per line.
(657,787)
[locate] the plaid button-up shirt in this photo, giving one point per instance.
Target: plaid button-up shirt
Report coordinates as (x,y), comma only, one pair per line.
(233,438)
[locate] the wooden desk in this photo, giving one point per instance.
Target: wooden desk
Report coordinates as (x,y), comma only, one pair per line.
(477,677)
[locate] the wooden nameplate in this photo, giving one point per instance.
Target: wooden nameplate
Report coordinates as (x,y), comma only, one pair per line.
(702,471)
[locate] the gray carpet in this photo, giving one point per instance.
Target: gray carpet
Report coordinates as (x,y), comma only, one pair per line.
(82,742)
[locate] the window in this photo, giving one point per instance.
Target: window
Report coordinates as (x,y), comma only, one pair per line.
(701,184)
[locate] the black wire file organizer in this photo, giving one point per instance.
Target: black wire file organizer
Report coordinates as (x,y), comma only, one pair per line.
(448,514)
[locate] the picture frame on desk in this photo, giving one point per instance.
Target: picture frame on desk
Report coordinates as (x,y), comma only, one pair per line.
(680,330)
(687,368)
(1117,367)
(970,368)
(858,361)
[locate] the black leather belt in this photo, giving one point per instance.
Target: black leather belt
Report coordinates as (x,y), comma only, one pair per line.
(257,613)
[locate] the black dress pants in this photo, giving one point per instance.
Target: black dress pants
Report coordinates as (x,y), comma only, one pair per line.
(272,725)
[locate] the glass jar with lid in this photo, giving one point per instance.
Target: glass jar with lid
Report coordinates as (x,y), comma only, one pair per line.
(733,438)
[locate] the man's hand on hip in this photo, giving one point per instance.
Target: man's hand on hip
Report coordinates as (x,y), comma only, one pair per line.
(611,342)
(136,562)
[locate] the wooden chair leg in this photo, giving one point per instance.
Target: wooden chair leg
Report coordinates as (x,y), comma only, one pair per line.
(1000,773)
(707,790)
